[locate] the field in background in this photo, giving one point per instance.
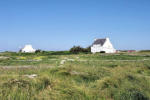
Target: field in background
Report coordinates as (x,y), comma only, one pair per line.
(65,76)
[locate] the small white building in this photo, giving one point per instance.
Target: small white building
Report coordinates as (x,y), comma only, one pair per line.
(102,45)
(28,49)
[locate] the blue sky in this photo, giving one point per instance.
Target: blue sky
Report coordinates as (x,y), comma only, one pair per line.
(60,24)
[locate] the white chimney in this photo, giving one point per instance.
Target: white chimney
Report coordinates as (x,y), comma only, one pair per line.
(107,38)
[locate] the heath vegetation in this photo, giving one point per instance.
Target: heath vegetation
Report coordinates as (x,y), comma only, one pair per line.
(43,76)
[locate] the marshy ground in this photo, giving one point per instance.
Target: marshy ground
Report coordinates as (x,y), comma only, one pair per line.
(64,76)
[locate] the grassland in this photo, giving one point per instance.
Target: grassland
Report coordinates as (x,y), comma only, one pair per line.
(65,76)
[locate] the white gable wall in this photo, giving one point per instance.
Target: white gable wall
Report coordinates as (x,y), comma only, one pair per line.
(107,44)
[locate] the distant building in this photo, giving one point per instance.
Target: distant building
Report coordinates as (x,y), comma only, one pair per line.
(102,46)
(130,51)
(28,49)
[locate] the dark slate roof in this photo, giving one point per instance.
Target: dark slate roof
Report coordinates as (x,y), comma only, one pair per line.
(99,41)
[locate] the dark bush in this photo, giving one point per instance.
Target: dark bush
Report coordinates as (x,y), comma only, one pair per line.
(79,49)
(88,49)
(38,51)
(76,49)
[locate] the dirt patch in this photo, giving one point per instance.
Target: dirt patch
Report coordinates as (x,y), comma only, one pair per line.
(3,57)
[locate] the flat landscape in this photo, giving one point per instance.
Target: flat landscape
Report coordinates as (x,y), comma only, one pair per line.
(65,76)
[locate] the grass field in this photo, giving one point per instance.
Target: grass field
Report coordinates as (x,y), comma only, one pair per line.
(65,76)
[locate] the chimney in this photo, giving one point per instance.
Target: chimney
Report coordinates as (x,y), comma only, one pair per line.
(107,38)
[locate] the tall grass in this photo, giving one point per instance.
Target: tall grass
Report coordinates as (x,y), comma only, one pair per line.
(86,77)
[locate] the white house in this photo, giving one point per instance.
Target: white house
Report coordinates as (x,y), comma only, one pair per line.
(102,45)
(28,49)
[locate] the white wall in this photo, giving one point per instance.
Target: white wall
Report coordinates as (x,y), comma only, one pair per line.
(107,47)
(28,49)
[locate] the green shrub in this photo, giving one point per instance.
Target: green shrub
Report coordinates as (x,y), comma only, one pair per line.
(131,94)
(79,49)
(38,51)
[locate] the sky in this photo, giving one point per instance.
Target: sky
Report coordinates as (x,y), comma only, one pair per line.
(61,24)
